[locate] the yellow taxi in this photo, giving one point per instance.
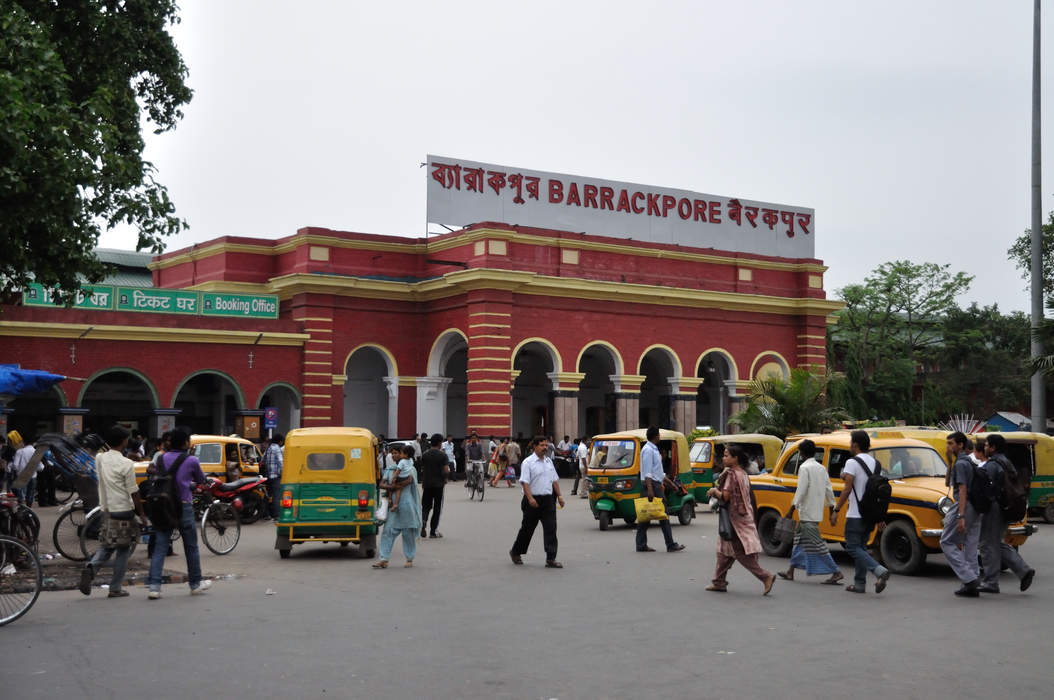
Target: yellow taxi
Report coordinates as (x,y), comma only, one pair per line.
(919,500)
(225,457)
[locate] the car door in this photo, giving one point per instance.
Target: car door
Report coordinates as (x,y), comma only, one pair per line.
(835,462)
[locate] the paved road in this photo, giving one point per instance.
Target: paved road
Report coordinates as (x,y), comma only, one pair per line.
(466,623)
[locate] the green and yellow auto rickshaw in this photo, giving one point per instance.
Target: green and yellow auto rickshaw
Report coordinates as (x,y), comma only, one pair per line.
(707,452)
(614,476)
(329,489)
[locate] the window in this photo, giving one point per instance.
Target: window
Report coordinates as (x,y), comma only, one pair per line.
(325,461)
(795,460)
(250,454)
(208,452)
(837,463)
(613,454)
(700,452)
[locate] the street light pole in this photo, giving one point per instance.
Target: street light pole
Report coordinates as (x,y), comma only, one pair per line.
(1039,396)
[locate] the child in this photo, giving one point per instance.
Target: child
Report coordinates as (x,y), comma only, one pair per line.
(404,470)
(508,469)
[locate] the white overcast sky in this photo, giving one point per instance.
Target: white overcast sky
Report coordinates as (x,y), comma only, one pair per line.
(905,124)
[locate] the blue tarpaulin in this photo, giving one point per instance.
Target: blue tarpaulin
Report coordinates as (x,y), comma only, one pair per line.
(16,381)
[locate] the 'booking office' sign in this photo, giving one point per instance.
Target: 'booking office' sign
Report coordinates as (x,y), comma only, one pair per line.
(462,192)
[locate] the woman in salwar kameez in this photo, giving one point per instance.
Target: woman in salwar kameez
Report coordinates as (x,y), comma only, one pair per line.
(745,545)
(406,519)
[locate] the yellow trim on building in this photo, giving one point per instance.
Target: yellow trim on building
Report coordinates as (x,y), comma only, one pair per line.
(490,313)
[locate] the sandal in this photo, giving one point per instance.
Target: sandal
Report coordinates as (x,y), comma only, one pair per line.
(787,575)
(768,584)
(409,564)
(380,565)
(834,580)
(853,589)
(716,589)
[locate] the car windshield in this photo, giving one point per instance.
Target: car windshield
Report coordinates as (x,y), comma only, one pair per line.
(700,452)
(613,454)
(908,462)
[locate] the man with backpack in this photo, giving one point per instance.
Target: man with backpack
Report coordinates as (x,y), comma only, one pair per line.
(170,505)
(865,511)
(1009,506)
(962,523)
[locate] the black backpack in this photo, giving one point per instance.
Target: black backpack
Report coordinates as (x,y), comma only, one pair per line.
(877,494)
(982,491)
(160,499)
(1013,491)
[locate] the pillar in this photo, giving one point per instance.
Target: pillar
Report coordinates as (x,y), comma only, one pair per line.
(391,385)
(627,400)
(431,404)
(737,398)
(683,392)
(490,376)
(812,344)
(565,403)
(322,388)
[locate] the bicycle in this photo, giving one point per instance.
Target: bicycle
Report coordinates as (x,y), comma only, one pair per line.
(21,578)
(18,520)
(221,528)
(66,535)
(475,480)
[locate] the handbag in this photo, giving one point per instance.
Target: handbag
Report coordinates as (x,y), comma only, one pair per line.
(649,510)
(116,533)
(724,522)
(785,528)
(380,514)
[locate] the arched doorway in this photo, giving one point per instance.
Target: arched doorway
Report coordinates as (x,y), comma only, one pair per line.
(658,366)
(367,401)
(712,398)
(442,403)
(208,402)
(596,391)
(286,399)
(118,396)
(532,390)
(456,369)
(36,414)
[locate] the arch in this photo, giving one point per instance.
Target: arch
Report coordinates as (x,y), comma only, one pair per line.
(720,351)
(785,366)
(283,385)
(237,389)
(128,370)
(444,346)
(615,354)
(63,401)
(389,358)
(675,360)
(554,354)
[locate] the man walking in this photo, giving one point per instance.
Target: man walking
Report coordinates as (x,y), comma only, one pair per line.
(119,497)
(858,469)
(187,471)
(813,493)
(435,469)
(512,450)
(541,492)
(962,523)
(22,457)
(272,465)
(652,478)
(995,553)
(582,458)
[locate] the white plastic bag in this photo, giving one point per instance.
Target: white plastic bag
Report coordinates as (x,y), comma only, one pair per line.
(381,513)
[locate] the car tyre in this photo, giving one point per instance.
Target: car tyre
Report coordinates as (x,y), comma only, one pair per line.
(772,545)
(902,551)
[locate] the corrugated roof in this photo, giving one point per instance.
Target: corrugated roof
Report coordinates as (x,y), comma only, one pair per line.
(124,258)
(130,278)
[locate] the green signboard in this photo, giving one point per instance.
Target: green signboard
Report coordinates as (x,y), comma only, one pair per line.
(97,296)
(245,305)
(165,301)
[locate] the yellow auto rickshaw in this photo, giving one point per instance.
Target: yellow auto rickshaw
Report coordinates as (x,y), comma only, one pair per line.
(707,452)
(329,489)
(614,475)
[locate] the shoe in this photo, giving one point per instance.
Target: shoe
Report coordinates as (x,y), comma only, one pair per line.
(881,584)
(675,547)
(424,533)
(768,584)
(202,588)
(153,595)
(574,493)
(969,590)
(516,559)
(645,549)
(118,594)
(987,589)
(1026,580)
(713,588)
(553,564)
(853,589)
(87,574)
(436,535)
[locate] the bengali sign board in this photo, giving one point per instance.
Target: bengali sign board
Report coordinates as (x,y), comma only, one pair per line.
(463,192)
(166,301)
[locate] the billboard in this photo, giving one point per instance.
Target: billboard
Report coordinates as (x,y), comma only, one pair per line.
(463,192)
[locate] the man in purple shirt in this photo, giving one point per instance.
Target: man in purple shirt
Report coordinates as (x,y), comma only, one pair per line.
(189,472)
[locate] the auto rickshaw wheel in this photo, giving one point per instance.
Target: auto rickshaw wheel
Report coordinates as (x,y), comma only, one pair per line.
(605,520)
(1048,513)
(368,546)
(686,513)
(630,519)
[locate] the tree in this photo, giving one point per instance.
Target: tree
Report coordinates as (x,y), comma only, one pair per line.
(74,79)
(1021,254)
(782,408)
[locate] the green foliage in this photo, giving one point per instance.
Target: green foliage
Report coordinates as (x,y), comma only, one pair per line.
(1021,254)
(781,408)
(75,77)
(699,433)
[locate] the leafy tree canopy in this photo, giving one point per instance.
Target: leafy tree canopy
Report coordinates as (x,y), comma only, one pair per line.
(782,408)
(1021,254)
(75,79)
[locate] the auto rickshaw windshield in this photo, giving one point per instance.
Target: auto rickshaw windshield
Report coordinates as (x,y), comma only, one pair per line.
(700,452)
(613,454)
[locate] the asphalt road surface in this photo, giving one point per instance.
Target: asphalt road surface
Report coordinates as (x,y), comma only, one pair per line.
(465,623)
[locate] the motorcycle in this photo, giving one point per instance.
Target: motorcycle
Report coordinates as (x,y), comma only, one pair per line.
(247,495)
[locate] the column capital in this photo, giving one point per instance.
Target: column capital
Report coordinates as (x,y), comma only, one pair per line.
(566,381)
(632,382)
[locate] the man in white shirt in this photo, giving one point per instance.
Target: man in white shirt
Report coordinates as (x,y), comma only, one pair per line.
(119,497)
(813,493)
(652,478)
(857,531)
(541,492)
(22,457)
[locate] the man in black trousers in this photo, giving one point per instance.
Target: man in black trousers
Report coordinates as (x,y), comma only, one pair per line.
(435,469)
(541,492)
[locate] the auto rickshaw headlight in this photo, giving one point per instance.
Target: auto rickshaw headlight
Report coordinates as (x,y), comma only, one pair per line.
(944,505)
(287,499)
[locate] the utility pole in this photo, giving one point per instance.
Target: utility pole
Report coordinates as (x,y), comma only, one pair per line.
(1039,389)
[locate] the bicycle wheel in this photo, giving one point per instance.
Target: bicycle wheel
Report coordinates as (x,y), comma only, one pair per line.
(220,528)
(64,489)
(482,485)
(21,579)
(471,486)
(67,533)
